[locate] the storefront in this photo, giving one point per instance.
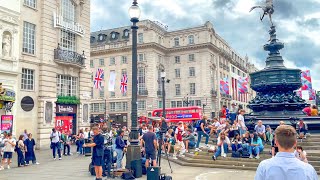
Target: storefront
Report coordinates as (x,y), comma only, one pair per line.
(7,98)
(66,118)
(118,119)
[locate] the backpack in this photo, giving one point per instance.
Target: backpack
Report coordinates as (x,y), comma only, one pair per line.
(245,153)
(16,147)
(198,124)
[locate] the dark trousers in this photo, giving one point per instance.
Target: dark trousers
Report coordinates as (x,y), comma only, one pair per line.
(66,146)
(56,147)
(21,160)
(108,161)
(303,130)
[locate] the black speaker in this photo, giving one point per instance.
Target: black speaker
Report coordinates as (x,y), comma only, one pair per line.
(136,166)
(153,173)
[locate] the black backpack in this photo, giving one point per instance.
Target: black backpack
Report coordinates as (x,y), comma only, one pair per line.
(16,147)
(127,175)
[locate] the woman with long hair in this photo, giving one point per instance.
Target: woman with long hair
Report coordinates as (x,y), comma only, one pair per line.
(255,146)
(20,151)
(223,144)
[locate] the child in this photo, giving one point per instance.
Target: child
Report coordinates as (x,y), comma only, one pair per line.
(179,146)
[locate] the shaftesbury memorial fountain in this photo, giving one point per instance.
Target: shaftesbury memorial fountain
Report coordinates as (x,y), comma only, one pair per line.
(275,84)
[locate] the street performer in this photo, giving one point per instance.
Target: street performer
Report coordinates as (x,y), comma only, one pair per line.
(97,153)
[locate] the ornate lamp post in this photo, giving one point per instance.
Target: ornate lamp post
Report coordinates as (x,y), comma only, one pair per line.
(186,100)
(163,76)
(133,152)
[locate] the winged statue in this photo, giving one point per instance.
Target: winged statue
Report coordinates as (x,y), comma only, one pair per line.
(267,10)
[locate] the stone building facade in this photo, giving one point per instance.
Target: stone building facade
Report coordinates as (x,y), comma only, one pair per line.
(194,59)
(53,75)
(9,57)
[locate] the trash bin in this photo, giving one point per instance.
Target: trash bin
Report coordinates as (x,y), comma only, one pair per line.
(136,166)
(153,173)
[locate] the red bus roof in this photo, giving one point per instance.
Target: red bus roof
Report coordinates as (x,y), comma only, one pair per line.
(180,108)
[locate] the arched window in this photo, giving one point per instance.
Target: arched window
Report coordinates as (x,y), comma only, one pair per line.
(191,39)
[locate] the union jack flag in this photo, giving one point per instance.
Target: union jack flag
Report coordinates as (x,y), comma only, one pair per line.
(98,79)
(124,85)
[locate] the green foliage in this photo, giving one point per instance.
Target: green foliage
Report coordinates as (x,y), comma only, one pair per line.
(68,100)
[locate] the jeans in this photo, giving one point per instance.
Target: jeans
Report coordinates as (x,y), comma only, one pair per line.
(191,144)
(255,150)
(21,160)
(225,148)
(242,132)
(200,134)
(56,146)
(303,130)
(81,149)
(119,158)
(66,146)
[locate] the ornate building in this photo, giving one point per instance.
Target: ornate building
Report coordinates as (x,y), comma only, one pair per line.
(9,59)
(53,73)
(194,59)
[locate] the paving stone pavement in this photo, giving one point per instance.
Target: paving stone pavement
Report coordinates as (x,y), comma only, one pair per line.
(76,168)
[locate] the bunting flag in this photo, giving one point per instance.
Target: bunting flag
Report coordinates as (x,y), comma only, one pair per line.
(112,80)
(124,84)
(98,79)
(224,86)
(306,80)
(242,85)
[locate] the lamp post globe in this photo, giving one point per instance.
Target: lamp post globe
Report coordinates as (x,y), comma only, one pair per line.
(134,11)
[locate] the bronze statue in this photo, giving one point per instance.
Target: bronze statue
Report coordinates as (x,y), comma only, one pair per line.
(267,10)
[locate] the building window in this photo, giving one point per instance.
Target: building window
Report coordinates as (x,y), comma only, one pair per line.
(178,89)
(179,103)
(160,104)
(27,79)
(124,106)
(112,94)
(66,85)
(233,69)
(95,107)
(101,93)
(192,71)
(124,60)
(101,62)
(112,106)
(123,72)
(173,104)
(67,40)
(177,59)
(176,41)
(140,38)
(141,105)
(238,72)
(198,102)
(92,92)
(141,79)
(91,64)
(102,107)
(191,102)
(112,60)
(29,37)
(118,106)
(192,88)
(68,10)
(177,72)
(191,39)
(30,3)
(243,75)
(191,57)
(141,57)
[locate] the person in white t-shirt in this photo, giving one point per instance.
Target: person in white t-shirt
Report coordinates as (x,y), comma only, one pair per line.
(241,124)
(223,146)
(86,135)
(214,126)
(55,138)
(301,154)
(9,145)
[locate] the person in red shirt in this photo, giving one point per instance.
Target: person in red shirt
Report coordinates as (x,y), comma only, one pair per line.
(307,110)
(223,115)
(179,145)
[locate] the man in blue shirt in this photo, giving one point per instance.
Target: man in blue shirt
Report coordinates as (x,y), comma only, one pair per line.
(284,165)
(97,153)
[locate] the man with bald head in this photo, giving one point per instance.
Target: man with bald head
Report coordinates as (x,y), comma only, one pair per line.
(260,130)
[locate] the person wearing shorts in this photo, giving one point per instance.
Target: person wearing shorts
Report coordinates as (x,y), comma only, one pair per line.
(9,145)
(150,143)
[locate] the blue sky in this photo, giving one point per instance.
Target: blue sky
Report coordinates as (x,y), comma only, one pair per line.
(297,21)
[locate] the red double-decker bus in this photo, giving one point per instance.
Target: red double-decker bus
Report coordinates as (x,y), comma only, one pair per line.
(180,113)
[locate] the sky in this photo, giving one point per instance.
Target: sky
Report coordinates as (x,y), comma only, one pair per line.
(297,23)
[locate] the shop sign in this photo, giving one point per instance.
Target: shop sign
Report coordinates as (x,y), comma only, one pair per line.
(62,108)
(74,27)
(6,123)
(6,94)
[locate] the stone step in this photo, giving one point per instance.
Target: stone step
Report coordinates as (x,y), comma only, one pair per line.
(213,165)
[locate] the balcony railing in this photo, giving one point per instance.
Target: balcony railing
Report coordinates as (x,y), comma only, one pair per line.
(69,57)
(143,92)
(214,93)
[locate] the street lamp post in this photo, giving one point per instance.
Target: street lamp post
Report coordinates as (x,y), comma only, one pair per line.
(163,76)
(133,152)
(187,102)
(204,105)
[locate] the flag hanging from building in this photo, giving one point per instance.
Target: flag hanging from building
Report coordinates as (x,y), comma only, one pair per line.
(98,79)
(124,84)
(242,85)
(112,80)
(224,86)
(306,80)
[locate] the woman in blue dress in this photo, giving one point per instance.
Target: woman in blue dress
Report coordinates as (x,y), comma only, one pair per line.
(30,148)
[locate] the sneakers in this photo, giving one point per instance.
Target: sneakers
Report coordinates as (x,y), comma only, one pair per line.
(54,159)
(207,145)
(174,157)
(1,168)
(8,167)
(214,157)
(60,158)
(198,150)
(250,157)
(182,155)
(224,155)
(37,163)
(258,157)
